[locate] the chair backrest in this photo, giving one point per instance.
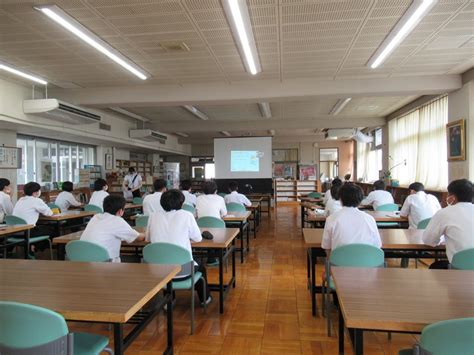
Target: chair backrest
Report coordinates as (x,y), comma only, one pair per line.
(167,253)
(222,194)
(463,260)
(423,223)
(137,201)
(210,222)
(235,207)
(314,195)
(189,208)
(93,208)
(357,255)
(81,250)
(454,336)
(141,221)
(26,326)
(11,220)
(389,207)
(53,205)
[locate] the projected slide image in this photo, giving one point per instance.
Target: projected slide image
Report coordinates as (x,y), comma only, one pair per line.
(245,160)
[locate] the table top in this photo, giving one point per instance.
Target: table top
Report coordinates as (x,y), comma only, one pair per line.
(105,292)
(7,230)
(255,199)
(396,238)
(132,205)
(379,216)
(395,299)
(255,205)
(236,216)
(66,215)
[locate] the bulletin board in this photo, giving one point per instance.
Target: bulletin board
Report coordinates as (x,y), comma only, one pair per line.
(10,157)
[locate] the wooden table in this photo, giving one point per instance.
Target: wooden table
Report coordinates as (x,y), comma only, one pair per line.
(394,241)
(60,219)
(221,247)
(239,218)
(92,292)
(7,231)
(262,197)
(255,209)
(399,300)
(379,216)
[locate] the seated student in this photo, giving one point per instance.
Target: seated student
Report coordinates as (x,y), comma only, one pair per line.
(378,197)
(419,205)
(455,222)
(151,203)
(327,195)
(235,197)
(30,206)
(109,229)
(189,197)
(66,199)
(6,205)
(334,203)
(350,225)
(177,226)
(210,204)
(100,193)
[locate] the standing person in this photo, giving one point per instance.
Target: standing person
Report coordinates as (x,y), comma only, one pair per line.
(419,205)
(66,199)
(100,193)
(132,183)
(210,204)
(378,197)
(6,205)
(235,197)
(189,197)
(151,203)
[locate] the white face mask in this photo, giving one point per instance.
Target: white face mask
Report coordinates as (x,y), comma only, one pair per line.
(449,200)
(39,194)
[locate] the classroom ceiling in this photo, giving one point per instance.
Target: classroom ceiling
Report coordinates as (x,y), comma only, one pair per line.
(318,41)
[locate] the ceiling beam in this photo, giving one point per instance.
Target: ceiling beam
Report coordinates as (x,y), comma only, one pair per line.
(317,137)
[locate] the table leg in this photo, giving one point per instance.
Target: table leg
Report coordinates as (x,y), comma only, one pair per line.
(254,223)
(26,243)
(359,341)
(61,251)
(169,319)
(242,250)
(118,338)
(233,264)
(221,282)
(302,217)
(341,331)
(313,283)
(269,202)
(248,236)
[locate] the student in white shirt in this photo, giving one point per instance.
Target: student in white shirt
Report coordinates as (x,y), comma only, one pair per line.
(350,225)
(419,205)
(178,227)
(132,183)
(189,197)
(6,205)
(327,194)
(100,193)
(378,197)
(235,197)
(454,224)
(151,203)
(210,204)
(334,203)
(66,199)
(109,229)
(30,206)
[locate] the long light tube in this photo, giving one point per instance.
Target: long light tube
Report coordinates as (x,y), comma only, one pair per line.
(265,109)
(226,133)
(339,106)
(22,74)
(182,134)
(196,112)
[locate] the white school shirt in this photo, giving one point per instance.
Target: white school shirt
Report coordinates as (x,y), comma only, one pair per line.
(327,196)
(235,197)
(130,183)
(97,198)
(6,205)
(350,226)
(377,198)
(418,207)
(29,208)
(210,205)
(332,207)
(65,200)
(456,224)
(189,198)
(151,204)
(109,231)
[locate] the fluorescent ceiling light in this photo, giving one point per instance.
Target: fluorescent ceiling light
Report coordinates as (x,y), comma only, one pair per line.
(185,135)
(225,133)
(22,74)
(417,10)
(196,112)
(265,110)
(339,106)
(271,132)
(59,16)
(129,114)
(239,20)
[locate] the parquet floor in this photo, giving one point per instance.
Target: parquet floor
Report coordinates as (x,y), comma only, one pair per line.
(269,311)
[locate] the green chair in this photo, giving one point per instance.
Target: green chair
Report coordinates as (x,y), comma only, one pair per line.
(93,208)
(350,255)
(137,201)
(166,253)
(314,195)
(235,207)
(36,330)
(141,221)
(81,250)
(453,336)
(189,208)
(210,222)
(389,207)
(53,205)
(463,260)
(423,224)
(222,194)
(13,220)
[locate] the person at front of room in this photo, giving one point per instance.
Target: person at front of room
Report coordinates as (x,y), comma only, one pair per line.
(132,183)
(235,197)
(151,203)
(6,205)
(66,199)
(378,197)
(419,205)
(453,224)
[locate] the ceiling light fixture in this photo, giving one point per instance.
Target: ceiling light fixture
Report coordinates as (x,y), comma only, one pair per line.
(196,112)
(339,106)
(410,19)
(56,14)
(129,114)
(265,109)
(271,132)
(185,135)
(22,74)
(225,133)
(238,17)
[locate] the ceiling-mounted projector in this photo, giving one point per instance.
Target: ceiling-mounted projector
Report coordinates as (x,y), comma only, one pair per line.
(348,133)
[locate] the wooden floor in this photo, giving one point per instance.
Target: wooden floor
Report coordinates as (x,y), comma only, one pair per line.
(269,311)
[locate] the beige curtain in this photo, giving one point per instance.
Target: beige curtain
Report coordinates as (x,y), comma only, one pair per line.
(368,162)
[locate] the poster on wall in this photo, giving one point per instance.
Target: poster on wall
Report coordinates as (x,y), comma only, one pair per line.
(10,158)
(46,171)
(456,135)
(308,172)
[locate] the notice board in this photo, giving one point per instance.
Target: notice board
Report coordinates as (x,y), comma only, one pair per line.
(10,157)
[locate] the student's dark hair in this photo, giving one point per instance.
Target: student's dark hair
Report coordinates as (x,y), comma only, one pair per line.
(416,186)
(347,177)
(233,186)
(99,184)
(335,192)
(186,185)
(113,203)
(462,189)
(209,187)
(4,183)
(172,200)
(159,184)
(131,169)
(31,187)
(68,186)
(351,195)
(379,185)
(337,182)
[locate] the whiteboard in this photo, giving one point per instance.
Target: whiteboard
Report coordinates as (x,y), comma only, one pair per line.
(10,158)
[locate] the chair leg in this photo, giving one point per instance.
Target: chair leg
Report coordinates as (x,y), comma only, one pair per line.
(192,310)
(204,295)
(108,351)
(50,249)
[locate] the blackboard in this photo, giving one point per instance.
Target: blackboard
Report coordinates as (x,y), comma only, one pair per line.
(10,157)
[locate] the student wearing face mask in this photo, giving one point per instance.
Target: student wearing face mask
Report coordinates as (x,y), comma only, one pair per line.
(6,205)
(454,224)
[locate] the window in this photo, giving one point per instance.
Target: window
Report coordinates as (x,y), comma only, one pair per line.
(369,157)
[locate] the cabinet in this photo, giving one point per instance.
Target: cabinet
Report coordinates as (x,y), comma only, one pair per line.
(290,190)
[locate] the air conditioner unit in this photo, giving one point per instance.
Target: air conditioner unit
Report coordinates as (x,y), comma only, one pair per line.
(148,135)
(362,137)
(59,111)
(343,133)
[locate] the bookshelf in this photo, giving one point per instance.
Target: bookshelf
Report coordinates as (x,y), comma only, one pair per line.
(89,175)
(115,178)
(290,190)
